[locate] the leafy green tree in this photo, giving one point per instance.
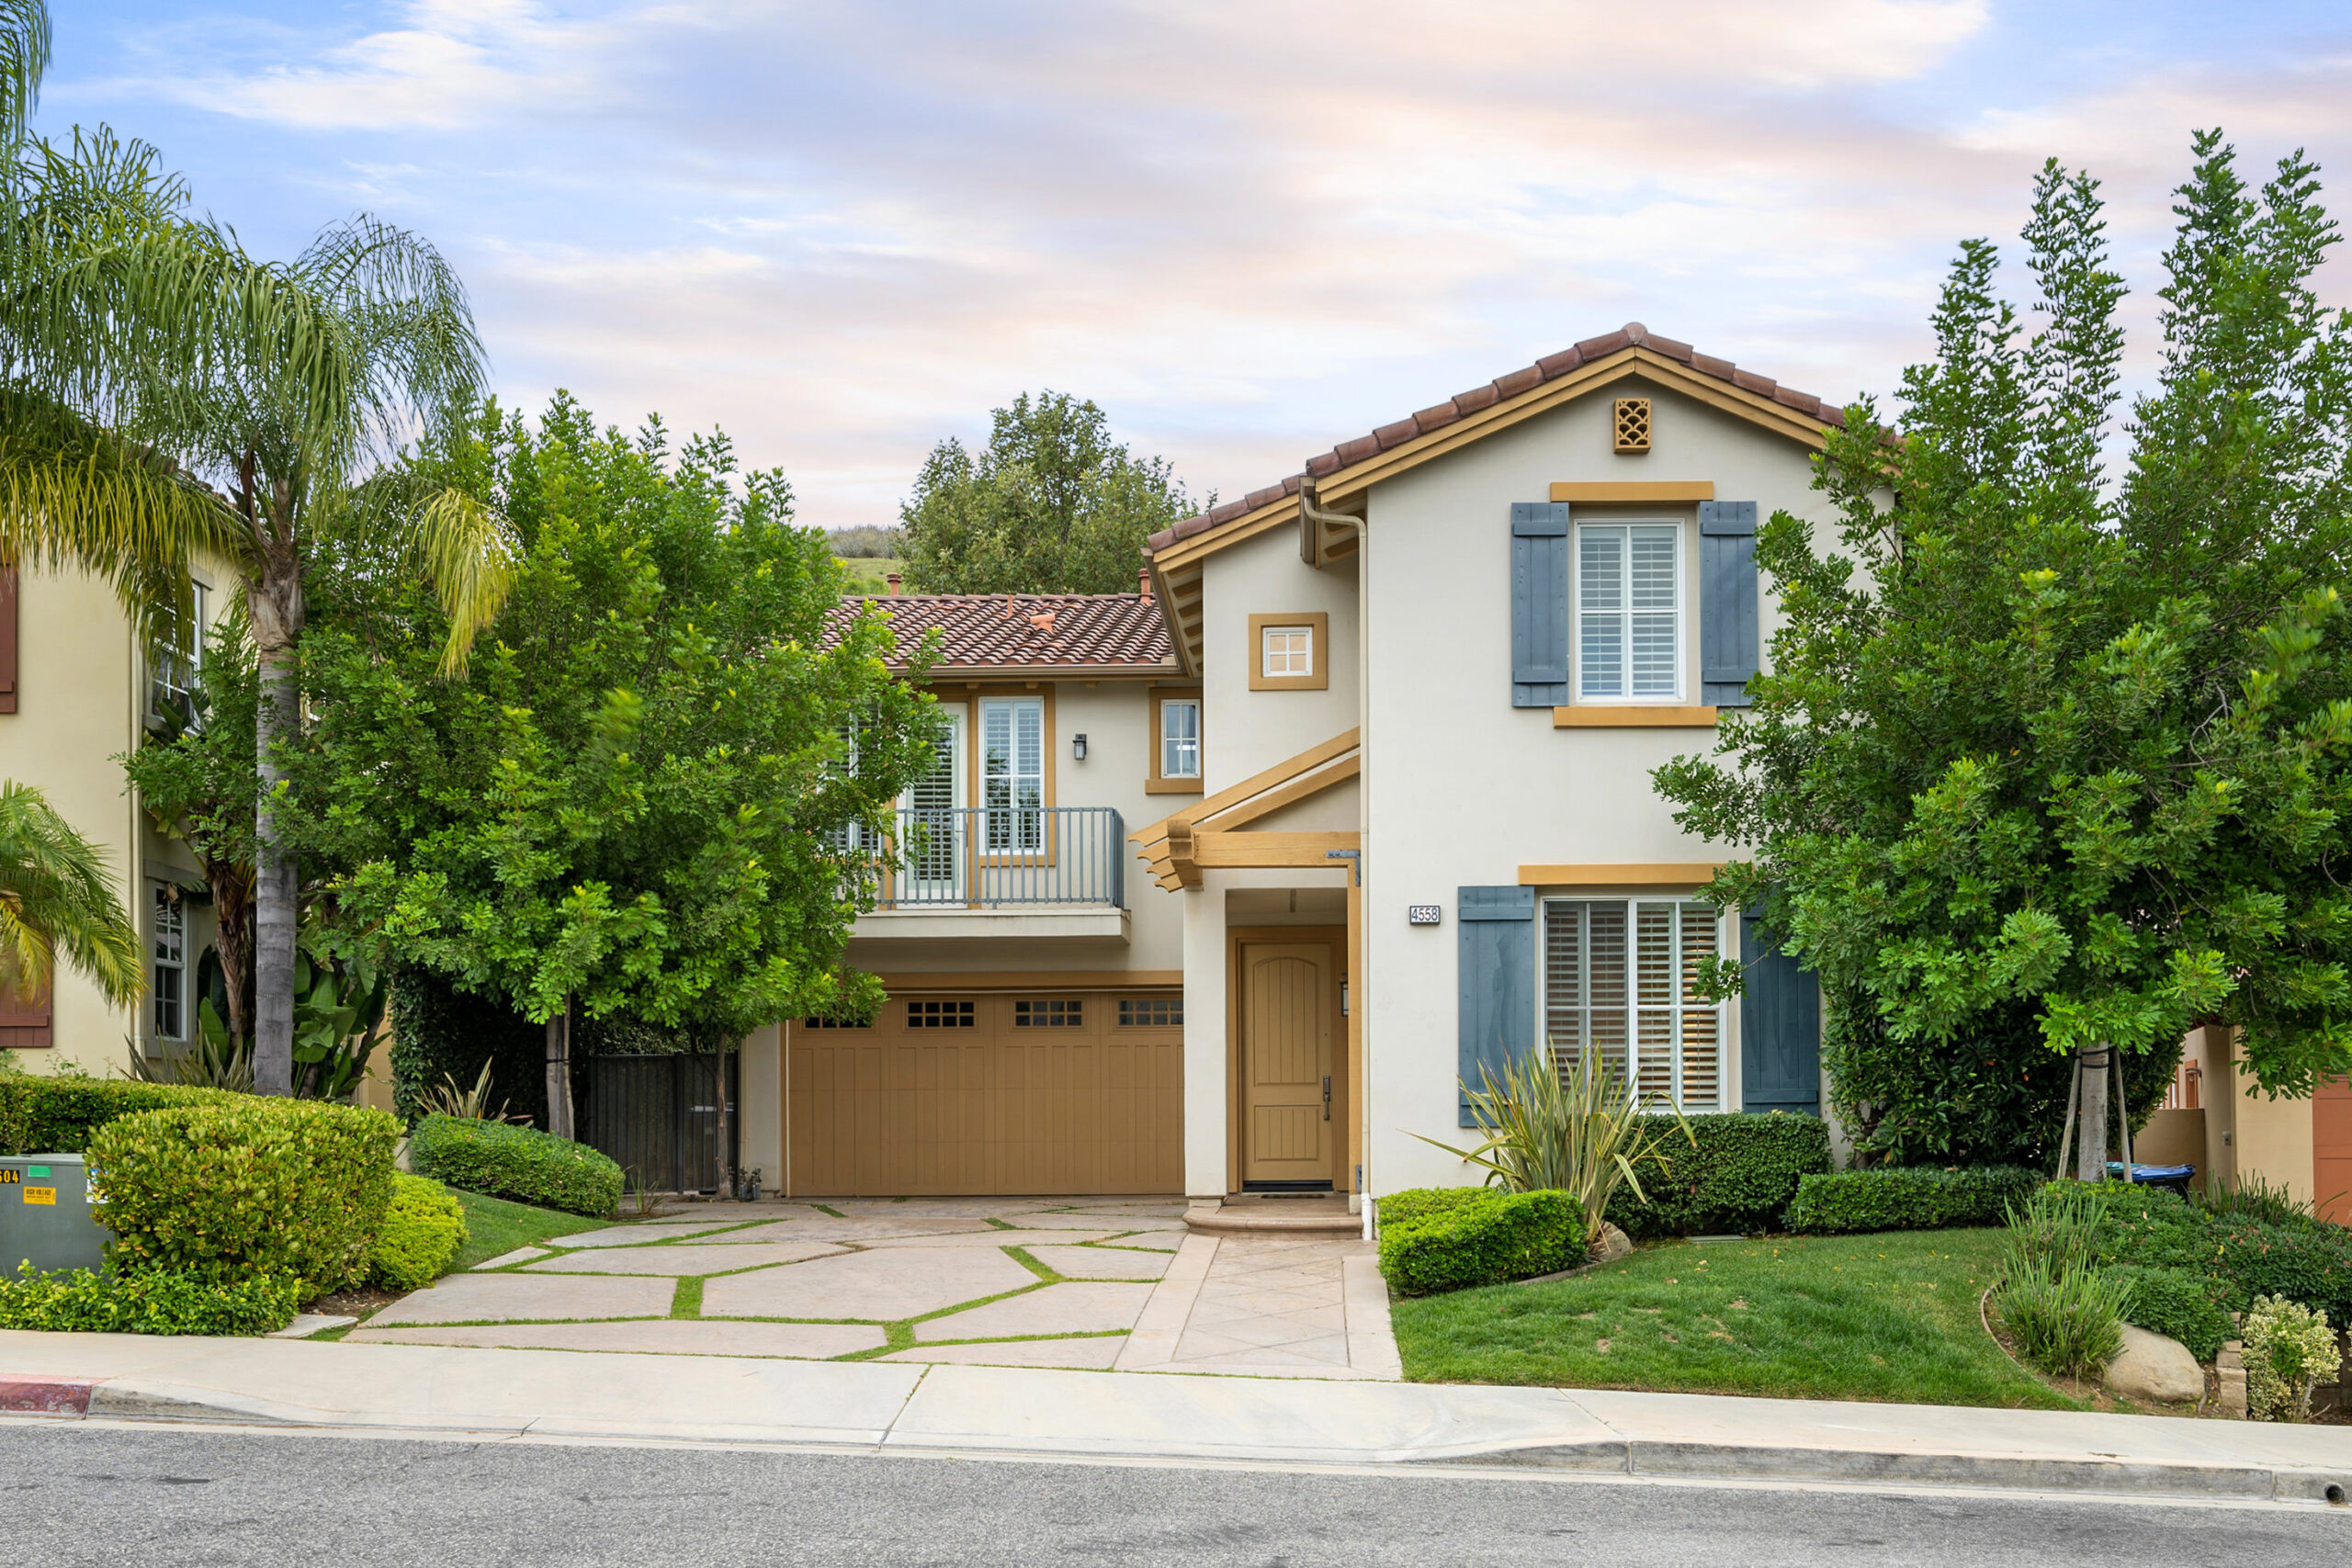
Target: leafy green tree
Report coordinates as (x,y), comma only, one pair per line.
(657,792)
(57,898)
(194,779)
(2033,743)
(1051,505)
(140,345)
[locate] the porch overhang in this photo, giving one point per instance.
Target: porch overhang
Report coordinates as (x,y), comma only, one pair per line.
(1208,834)
(964,925)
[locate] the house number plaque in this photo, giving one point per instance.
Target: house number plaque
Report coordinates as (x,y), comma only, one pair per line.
(1424,914)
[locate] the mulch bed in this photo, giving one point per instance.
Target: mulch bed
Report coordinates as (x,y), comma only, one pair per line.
(355,1303)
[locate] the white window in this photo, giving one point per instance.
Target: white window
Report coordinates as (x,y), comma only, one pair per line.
(1179,738)
(179,655)
(1012,772)
(1629,631)
(170,965)
(1619,977)
(1289,652)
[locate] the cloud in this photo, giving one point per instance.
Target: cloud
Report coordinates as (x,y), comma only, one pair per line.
(847,228)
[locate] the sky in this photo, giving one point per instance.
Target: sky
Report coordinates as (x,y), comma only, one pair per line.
(842,229)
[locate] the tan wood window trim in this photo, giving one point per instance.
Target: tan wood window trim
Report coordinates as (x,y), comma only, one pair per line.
(1318,675)
(1638,490)
(1651,874)
(1631,716)
(1156,782)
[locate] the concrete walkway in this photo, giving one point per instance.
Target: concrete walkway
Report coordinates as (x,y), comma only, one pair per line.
(1267,1306)
(884,1407)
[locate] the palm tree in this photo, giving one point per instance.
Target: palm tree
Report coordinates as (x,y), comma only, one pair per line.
(55,896)
(144,351)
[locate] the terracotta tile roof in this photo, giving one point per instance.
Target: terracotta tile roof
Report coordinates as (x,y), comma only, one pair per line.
(1031,631)
(1348,453)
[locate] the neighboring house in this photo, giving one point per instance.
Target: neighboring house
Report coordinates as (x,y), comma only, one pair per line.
(77,691)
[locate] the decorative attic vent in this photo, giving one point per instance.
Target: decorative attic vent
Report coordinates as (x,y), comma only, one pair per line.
(1630,425)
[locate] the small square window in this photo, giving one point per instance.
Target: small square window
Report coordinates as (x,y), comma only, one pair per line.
(838,1020)
(1151,1012)
(1290,651)
(941,1015)
(1056,1014)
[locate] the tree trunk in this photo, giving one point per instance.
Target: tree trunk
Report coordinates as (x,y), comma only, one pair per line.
(2090,1159)
(277,887)
(232,915)
(274,603)
(560,1072)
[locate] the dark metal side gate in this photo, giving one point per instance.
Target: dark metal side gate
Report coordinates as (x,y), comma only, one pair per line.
(658,1118)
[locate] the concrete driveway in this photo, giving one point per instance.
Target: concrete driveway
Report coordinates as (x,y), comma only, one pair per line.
(1008,1281)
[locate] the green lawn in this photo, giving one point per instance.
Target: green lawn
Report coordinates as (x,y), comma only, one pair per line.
(494,1227)
(1881,1317)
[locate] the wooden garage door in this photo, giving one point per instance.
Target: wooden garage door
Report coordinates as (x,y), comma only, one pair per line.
(990,1094)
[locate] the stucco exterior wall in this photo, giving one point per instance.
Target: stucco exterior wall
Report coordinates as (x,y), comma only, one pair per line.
(1244,732)
(1460,788)
(81,702)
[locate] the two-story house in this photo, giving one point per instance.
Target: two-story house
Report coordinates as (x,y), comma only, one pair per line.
(1409,701)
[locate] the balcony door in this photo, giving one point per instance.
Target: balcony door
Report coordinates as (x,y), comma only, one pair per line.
(932,822)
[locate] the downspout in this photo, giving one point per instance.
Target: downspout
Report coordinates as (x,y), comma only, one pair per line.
(1311,510)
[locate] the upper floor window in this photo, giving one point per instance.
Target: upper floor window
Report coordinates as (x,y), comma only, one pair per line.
(169,972)
(1290,652)
(1012,772)
(1629,610)
(1179,738)
(179,655)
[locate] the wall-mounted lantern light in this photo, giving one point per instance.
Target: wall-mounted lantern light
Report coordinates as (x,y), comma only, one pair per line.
(1077,747)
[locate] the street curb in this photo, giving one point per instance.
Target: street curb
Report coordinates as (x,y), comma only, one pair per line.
(2021,1472)
(139,1400)
(44,1396)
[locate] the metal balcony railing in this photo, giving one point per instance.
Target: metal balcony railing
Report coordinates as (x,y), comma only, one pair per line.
(994,857)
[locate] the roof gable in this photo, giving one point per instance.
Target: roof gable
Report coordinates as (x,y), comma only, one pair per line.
(1590,367)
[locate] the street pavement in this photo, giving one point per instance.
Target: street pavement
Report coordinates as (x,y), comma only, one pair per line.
(74,1494)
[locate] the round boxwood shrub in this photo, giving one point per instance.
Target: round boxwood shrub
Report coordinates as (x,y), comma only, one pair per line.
(423,1230)
(252,1186)
(506,1161)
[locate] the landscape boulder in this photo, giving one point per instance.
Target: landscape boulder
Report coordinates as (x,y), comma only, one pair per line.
(2154,1370)
(1613,1244)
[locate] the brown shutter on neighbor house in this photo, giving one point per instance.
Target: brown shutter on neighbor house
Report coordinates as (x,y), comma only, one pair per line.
(8,640)
(24,1021)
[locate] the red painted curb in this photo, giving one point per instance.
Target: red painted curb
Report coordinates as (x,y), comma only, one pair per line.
(44,1396)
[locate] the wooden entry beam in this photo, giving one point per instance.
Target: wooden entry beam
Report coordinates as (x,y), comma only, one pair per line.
(1271,849)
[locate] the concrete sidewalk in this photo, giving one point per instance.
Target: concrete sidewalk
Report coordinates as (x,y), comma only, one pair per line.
(894,1406)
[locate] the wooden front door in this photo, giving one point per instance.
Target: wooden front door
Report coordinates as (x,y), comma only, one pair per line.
(1286,1062)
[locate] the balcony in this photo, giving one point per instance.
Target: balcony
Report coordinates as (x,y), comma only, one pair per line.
(980,872)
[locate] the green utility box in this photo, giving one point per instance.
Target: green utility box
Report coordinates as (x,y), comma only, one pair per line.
(45,1214)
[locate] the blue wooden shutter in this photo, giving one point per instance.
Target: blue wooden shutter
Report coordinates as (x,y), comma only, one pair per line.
(1779,1026)
(1727,625)
(1497,927)
(1539,604)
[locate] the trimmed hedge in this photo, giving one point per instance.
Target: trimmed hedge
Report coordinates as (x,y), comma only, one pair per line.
(1417,1203)
(1487,1239)
(56,1116)
(1740,1177)
(2176,1303)
(1908,1198)
(423,1230)
(251,1187)
(508,1161)
(155,1301)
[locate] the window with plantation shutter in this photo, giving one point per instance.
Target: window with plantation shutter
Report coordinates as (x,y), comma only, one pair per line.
(1620,977)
